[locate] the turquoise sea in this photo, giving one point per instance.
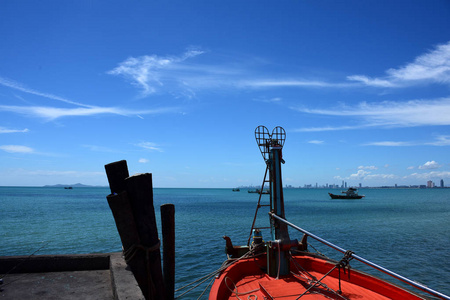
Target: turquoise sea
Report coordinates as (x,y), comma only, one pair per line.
(404,230)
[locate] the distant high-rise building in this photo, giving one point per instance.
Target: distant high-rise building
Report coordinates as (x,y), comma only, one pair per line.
(430,184)
(442,183)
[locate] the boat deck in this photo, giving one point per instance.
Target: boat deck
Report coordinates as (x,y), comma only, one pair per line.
(246,280)
(264,287)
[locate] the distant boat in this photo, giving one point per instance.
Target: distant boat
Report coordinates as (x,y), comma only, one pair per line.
(68,188)
(258,191)
(351,193)
(236,190)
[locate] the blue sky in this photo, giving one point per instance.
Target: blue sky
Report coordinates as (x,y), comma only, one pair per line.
(177,89)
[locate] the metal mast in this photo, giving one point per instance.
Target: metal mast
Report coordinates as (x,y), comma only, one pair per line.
(271,146)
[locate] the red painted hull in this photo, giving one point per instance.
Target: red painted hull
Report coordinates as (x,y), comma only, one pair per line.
(246,279)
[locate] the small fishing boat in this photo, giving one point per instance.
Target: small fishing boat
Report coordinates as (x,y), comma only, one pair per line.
(284,268)
(236,190)
(351,193)
(258,191)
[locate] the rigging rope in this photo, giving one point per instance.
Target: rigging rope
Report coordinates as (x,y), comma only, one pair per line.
(225,265)
(13,268)
(313,282)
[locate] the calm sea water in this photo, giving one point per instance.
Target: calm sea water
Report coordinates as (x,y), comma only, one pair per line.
(406,231)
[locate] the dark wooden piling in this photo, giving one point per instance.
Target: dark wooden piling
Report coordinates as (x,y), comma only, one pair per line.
(123,216)
(140,191)
(116,173)
(168,235)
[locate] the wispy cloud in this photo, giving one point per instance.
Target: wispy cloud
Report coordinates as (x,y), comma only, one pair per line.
(330,128)
(7,130)
(143,161)
(429,176)
(290,83)
(149,72)
(390,144)
(20,87)
(80,109)
(52,113)
(149,146)
(152,73)
(433,66)
(96,148)
(17,149)
(387,114)
(316,142)
(442,140)
(268,100)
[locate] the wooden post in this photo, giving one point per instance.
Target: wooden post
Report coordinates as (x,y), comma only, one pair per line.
(123,216)
(140,191)
(168,235)
(126,226)
(116,173)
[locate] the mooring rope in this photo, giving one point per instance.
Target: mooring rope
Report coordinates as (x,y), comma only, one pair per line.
(131,252)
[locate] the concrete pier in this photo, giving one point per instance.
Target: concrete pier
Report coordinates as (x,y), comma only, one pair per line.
(79,276)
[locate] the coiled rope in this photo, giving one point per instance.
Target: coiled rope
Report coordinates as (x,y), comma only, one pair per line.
(235,290)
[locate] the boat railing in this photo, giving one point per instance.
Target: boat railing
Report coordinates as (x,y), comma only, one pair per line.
(363,260)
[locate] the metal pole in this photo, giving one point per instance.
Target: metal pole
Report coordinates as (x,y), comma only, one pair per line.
(367,262)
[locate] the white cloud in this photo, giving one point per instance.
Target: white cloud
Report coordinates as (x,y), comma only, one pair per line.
(433,66)
(149,146)
(271,100)
(367,168)
(362,174)
(390,144)
(388,114)
(371,81)
(7,130)
(330,128)
(316,142)
(17,86)
(99,148)
(429,165)
(267,83)
(149,72)
(442,140)
(429,176)
(16,149)
(143,160)
(52,113)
